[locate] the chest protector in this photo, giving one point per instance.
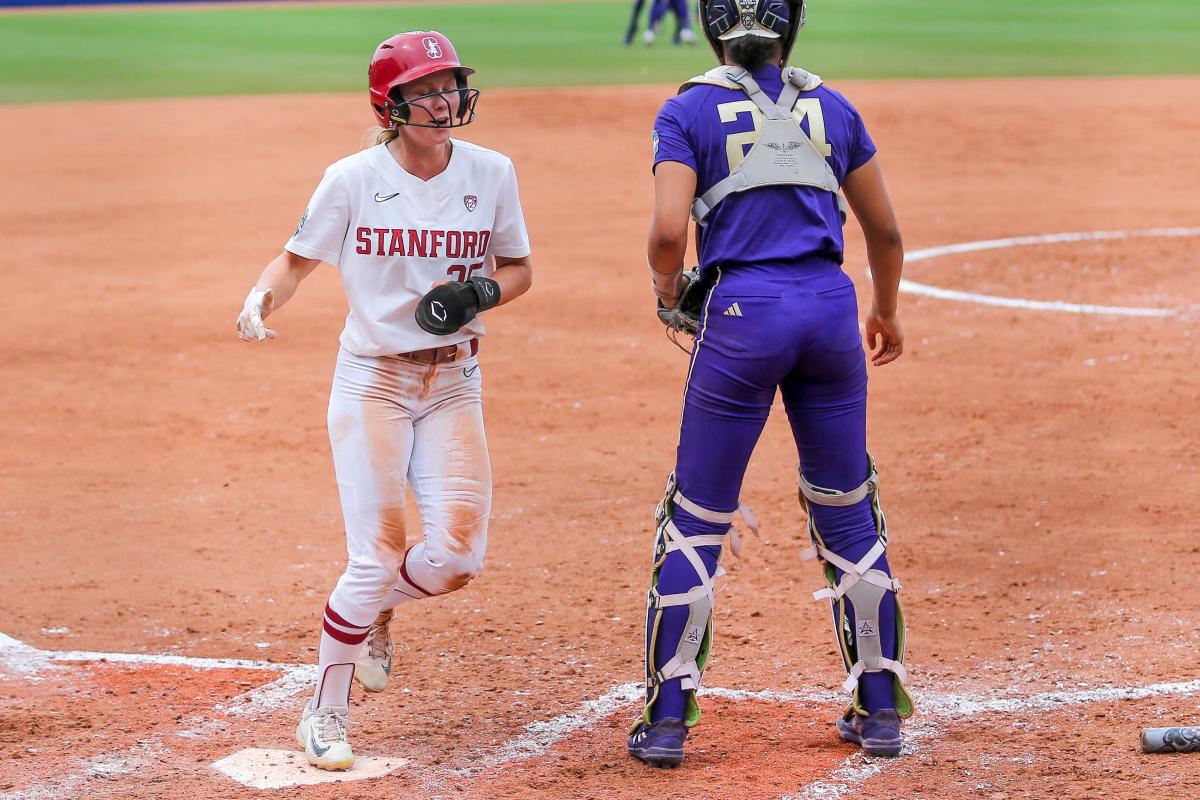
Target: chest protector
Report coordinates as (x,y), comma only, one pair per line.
(782,155)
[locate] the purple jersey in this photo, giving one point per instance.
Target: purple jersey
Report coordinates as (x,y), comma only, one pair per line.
(711,128)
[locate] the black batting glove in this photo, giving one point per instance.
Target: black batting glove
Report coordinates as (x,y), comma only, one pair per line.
(446,308)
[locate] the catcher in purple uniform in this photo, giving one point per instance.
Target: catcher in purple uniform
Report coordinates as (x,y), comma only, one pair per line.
(759,154)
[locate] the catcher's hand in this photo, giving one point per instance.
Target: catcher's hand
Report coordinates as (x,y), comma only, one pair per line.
(684,316)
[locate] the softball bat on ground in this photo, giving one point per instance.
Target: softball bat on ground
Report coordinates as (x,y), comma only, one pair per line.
(1170,740)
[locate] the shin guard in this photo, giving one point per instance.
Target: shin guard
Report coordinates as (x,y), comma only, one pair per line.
(856,598)
(692,649)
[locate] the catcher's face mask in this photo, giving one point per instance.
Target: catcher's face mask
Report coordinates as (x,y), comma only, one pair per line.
(725,20)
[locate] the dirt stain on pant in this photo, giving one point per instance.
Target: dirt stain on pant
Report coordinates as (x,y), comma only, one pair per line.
(393,534)
(467,458)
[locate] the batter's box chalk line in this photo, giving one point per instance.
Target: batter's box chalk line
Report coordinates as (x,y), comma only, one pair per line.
(929,253)
(261,768)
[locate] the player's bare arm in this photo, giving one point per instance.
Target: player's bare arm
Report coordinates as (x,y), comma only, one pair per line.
(674,188)
(274,287)
(867,195)
(514,277)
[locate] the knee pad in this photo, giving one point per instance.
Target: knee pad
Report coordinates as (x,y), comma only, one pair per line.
(692,650)
(863,587)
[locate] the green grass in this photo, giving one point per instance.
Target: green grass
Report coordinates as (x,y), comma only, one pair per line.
(164,52)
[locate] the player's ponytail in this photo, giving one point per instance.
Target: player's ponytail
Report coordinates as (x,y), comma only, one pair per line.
(753,52)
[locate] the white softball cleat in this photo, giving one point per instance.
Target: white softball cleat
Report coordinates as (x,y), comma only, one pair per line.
(322,734)
(687,36)
(375,664)
(648,37)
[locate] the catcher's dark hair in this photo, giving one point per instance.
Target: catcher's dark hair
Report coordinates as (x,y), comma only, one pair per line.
(753,52)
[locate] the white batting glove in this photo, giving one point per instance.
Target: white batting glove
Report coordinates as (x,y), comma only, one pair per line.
(250,325)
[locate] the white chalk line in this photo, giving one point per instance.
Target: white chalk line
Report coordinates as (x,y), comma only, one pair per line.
(106,765)
(20,657)
(540,735)
(928,290)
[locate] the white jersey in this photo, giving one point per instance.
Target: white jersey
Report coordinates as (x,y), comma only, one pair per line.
(393,235)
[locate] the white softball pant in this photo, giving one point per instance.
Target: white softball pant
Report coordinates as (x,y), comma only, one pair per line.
(396,423)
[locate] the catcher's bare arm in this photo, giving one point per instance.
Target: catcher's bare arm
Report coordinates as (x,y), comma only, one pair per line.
(674,189)
(868,196)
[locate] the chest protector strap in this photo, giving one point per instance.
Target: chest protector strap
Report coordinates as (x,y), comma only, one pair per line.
(782,155)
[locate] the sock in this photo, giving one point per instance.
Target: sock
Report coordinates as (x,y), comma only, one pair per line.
(341,643)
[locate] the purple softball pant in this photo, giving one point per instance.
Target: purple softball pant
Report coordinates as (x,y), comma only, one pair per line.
(794,329)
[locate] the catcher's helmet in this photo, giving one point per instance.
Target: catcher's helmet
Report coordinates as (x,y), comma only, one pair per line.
(723,20)
(407,57)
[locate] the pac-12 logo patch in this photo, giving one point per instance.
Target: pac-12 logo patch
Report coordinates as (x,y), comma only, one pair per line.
(470,201)
(654,142)
(432,48)
(300,225)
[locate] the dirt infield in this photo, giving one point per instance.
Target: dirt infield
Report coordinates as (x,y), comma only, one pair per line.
(168,489)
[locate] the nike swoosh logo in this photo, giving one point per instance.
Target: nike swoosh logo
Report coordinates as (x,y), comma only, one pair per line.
(469,371)
(312,742)
(381,199)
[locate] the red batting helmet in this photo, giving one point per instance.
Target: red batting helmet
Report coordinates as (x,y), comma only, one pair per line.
(404,58)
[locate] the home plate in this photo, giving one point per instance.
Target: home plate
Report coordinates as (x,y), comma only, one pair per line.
(260,768)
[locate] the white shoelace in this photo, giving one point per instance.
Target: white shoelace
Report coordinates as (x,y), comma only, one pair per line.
(377,642)
(333,728)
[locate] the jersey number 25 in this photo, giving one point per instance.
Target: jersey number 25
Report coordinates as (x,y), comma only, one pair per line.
(461,272)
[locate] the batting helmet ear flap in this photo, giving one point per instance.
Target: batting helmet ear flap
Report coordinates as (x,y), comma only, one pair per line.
(464,97)
(396,109)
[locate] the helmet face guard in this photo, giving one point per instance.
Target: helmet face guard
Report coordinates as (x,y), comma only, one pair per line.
(726,20)
(410,56)
(417,114)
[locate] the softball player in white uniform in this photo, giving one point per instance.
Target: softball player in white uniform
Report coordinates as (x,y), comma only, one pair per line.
(426,231)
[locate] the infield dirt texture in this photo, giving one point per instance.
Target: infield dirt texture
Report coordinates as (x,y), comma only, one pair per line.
(168,513)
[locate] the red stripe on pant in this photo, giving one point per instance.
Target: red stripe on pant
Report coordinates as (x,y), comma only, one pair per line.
(343,637)
(338,619)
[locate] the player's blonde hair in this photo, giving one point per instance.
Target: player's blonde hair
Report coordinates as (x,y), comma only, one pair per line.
(376,136)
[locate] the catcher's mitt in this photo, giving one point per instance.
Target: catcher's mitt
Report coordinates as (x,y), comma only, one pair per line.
(684,317)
